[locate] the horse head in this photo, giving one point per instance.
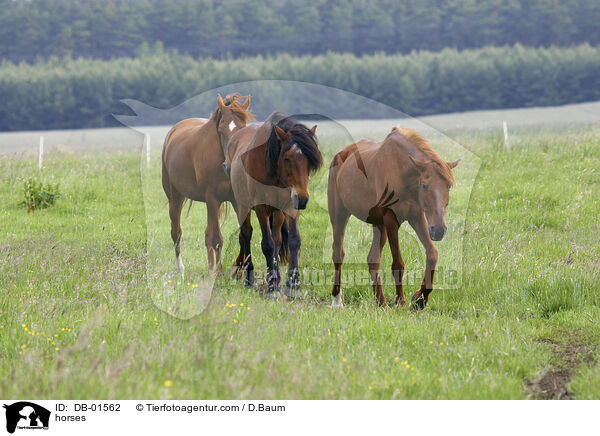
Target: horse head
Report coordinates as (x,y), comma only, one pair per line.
(294,155)
(435,181)
(231,115)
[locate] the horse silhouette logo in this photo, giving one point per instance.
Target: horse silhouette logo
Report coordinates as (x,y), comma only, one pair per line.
(26,415)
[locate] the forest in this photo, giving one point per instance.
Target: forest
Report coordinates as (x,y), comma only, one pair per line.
(80,93)
(68,63)
(232,28)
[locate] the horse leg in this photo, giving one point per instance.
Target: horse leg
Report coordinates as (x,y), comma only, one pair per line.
(278,219)
(392,226)
(339,219)
(175,206)
(419,224)
(218,241)
(268,249)
(236,268)
(292,287)
(212,237)
(245,252)
(218,244)
(374,261)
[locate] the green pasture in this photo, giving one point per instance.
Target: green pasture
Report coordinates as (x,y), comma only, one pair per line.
(91,307)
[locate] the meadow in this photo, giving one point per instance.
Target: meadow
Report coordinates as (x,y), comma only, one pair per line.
(88,308)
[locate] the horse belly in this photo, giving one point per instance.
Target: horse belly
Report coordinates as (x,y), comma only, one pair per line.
(183,178)
(357,196)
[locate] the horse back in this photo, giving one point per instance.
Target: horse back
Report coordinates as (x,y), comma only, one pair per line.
(361,151)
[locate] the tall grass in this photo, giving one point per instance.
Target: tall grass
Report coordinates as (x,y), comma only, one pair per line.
(80,317)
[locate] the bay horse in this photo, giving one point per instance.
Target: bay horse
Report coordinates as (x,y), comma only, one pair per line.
(192,159)
(384,184)
(270,167)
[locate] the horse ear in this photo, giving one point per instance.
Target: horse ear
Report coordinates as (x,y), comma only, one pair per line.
(453,164)
(220,101)
(314,130)
(419,164)
(281,134)
(246,103)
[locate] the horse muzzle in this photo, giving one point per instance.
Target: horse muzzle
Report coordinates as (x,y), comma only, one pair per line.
(437,233)
(299,202)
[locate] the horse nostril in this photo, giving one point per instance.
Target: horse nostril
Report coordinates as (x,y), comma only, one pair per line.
(299,202)
(437,233)
(302,202)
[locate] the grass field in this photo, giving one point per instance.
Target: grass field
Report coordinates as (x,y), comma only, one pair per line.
(85,311)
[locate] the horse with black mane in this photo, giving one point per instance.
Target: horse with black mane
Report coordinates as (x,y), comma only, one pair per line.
(270,167)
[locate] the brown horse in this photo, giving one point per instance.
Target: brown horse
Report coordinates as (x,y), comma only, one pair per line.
(192,169)
(270,167)
(384,184)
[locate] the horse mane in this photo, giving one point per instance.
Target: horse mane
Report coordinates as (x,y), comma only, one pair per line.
(233,102)
(300,136)
(421,143)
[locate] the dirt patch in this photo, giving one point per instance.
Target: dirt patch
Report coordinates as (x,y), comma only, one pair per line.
(553,383)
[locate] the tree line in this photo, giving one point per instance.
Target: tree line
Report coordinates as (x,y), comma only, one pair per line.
(233,28)
(80,93)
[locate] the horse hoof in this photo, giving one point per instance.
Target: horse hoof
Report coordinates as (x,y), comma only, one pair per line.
(272,295)
(418,302)
(337,301)
(293,293)
(292,290)
(292,287)
(401,303)
(249,279)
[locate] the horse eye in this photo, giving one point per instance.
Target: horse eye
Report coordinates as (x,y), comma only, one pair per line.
(424,186)
(286,160)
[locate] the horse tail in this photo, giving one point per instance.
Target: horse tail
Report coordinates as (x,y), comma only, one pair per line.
(224,210)
(284,251)
(185,200)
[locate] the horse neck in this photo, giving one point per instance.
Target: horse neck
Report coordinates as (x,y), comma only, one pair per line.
(204,137)
(256,166)
(395,158)
(211,127)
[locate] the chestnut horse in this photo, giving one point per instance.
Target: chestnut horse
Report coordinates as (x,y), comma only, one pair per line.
(270,167)
(384,184)
(192,169)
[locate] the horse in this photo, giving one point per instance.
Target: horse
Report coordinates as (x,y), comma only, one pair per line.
(270,167)
(384,184)
(192,159)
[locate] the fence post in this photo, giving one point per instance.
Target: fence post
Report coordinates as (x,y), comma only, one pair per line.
(41,153)
(505,125)
(147,140)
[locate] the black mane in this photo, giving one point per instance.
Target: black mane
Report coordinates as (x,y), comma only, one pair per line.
(301,136)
